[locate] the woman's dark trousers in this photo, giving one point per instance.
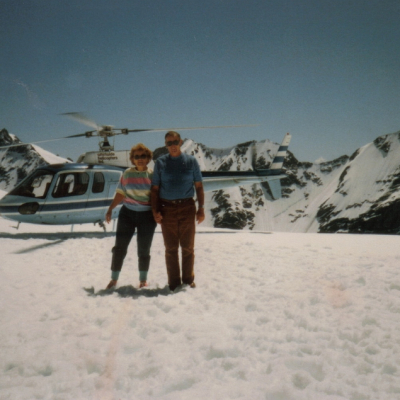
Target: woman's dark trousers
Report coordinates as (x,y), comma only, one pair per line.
(128,222)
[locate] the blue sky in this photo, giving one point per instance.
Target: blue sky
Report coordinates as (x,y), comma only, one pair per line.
(328,72)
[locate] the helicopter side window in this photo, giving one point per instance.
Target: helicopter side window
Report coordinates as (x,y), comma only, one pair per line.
(36,186)
(98,183)
(71,184)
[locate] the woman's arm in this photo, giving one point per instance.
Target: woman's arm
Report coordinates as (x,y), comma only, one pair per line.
(117,200)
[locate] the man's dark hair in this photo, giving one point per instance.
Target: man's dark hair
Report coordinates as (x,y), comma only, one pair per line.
(173,133)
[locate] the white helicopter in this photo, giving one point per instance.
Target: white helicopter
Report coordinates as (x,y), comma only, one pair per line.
(78,193)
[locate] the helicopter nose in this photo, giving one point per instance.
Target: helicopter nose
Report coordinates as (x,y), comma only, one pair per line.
(3,204)
(8,207)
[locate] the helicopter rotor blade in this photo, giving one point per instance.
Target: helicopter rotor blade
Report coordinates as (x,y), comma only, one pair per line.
(125,131)
(190,128)
(87,134)
(30,143)
(83,119)
(43,141)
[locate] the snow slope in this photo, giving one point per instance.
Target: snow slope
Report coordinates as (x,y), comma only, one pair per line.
(354,194)
(281,316)
(17,162)
(367,196)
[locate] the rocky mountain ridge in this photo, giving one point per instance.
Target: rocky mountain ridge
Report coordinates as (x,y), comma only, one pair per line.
(357,194)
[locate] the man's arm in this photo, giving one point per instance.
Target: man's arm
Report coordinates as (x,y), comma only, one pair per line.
(154,204)
(200,198)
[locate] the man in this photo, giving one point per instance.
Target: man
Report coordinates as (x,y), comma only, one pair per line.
(176,177)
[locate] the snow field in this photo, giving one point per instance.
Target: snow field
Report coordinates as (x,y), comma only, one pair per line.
(274,316)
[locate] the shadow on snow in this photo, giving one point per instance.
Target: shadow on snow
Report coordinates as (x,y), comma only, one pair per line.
(130,291)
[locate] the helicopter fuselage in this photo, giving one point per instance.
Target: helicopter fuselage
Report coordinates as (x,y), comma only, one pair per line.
(63,194)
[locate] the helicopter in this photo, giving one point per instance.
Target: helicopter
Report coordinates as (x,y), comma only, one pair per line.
(81,192)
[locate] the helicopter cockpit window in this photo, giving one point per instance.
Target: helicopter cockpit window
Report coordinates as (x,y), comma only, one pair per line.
(71,184)
(98,183)
(35,186)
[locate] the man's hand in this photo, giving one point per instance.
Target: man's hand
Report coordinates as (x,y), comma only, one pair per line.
(200,198)
(200,215)
(108,216)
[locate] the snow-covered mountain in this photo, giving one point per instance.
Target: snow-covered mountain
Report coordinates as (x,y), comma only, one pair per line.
(350,194)
(16,162)
(367,193)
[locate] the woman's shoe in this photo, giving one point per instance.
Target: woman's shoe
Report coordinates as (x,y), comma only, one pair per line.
(112,284)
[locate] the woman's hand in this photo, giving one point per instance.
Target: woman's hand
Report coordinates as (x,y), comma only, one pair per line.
(157,217)
(108,216)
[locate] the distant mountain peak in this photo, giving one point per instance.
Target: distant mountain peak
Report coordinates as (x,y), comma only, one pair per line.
(6,139)
(17,162)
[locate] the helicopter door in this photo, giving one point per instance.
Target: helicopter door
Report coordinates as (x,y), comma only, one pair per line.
(113,178)
(98,198)
(68,201)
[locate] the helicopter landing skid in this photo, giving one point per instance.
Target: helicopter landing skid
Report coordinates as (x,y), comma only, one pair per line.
(101,224)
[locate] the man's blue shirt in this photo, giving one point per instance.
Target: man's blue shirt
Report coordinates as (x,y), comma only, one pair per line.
(175,176)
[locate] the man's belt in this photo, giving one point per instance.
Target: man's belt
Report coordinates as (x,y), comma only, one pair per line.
(177,201)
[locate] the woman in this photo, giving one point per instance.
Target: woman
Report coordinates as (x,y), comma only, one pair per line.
(134,191)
